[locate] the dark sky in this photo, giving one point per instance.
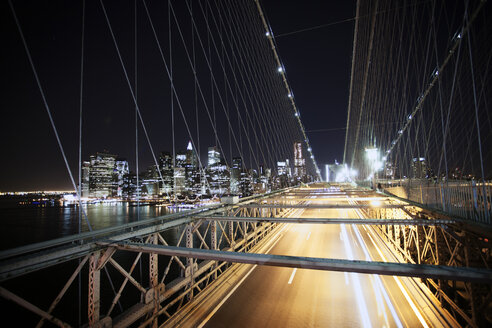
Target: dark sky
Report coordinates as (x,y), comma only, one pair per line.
(317,63)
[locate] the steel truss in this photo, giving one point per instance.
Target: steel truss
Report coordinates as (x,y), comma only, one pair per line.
(452,245)
(172,281)
(449,259)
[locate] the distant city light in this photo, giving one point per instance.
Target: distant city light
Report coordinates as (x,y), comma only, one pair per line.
(289,95)
(280,69)
(267,34)
(296,114)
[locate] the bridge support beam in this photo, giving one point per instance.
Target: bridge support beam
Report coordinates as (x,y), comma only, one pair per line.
(190,262)
(441,245)
(154,278)
(94,289)
(385,268)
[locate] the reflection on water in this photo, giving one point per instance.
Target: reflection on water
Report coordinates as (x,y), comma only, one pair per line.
(21,226)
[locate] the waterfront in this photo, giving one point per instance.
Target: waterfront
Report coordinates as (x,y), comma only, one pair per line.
(22,225)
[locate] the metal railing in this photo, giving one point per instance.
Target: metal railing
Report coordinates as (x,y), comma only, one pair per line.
(469,200)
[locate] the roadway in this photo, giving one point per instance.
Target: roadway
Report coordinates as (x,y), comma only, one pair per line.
(285,297)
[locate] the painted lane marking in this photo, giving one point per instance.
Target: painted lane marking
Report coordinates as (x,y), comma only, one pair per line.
(292,276)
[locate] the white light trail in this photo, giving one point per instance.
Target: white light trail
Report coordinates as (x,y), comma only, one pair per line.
(378,280)
(366,322)
(292,276)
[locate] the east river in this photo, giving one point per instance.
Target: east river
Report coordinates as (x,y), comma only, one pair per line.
(21,225)
(27,224)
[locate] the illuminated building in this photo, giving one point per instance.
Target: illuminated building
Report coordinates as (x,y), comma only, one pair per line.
(419,168)
(101,175)
(283,168)
(235,175)
(299,161)
(240,181)
(217,173)
(167,172)
(121,169)
(150,183)
(180,174)
(86,166)
(193,176)
(213,156)
(283,174)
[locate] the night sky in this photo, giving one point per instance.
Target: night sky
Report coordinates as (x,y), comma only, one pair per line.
(317,63)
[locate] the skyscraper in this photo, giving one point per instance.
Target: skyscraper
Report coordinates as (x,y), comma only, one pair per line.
(419,168)
(166,167)
(120,170)
(101,175)
(192,173)
(180,173)
(236,169)
(299,161)
(213,156)
(86,167)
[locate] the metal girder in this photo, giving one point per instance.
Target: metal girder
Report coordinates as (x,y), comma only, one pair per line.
(94,296)
(334,206)
(370,267)
(338,198)
(36,261)
(85,237)
(128,230)
(419,222)
(22,302)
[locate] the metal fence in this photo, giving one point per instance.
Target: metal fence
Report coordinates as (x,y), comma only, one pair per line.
(470,200)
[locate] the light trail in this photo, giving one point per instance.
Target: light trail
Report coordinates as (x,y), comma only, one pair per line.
(356,282)
(210,315)
(292,276)
(378,280)
(397,280)
(403,289)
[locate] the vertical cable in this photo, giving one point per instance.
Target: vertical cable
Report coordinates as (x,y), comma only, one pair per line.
(475,101)
(354,47)
(80,152)
(136,116)
(48,111)
(172,95)
(197,149)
